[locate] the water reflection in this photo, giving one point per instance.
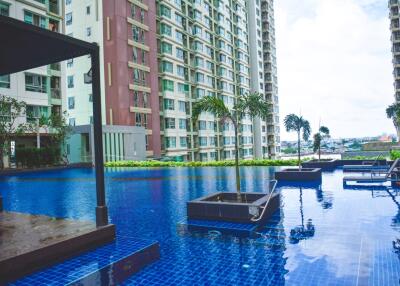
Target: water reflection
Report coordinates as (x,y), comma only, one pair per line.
(302,231)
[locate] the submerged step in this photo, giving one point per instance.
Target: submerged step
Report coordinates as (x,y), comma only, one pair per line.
(107,265)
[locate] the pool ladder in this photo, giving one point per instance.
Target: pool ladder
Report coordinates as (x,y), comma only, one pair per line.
(272,191)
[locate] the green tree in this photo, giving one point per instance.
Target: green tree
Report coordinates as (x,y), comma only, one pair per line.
(300,125)
(10,111)
(393,112)
(252,104)
(322,134)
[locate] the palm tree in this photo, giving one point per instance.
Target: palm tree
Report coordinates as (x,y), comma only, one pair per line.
(393,112)
(318,137)
(252,104)
(296,123)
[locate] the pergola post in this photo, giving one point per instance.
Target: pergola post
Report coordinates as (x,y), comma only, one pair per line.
(101,208)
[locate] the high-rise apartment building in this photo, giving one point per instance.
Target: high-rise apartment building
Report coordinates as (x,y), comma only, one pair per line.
(270,77)
(160,57)
(41,88)
(125,31)
(394,6)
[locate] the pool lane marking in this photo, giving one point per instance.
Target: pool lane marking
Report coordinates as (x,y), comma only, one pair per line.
(359,260)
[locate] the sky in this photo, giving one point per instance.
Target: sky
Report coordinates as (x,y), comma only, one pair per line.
(334,65)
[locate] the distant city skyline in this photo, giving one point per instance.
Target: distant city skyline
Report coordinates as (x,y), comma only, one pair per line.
(335,70)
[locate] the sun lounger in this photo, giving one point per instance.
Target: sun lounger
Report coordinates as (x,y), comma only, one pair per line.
(374,177)
(366,167)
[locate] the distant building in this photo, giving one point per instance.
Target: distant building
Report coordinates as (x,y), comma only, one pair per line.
(159,57)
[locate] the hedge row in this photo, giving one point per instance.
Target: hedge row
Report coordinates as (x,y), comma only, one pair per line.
(152,163)
(34,157)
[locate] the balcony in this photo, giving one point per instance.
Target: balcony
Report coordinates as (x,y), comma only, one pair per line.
(55,93)
(55,67)
(54,7)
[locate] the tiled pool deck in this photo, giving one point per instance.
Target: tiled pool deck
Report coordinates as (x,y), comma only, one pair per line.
(351,242)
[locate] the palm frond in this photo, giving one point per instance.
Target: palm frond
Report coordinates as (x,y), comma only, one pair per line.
(211,104)
(305,125)
(253,104)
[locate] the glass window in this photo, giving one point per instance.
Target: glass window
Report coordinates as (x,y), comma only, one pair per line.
(5,81)
(169,104)
(182,106)
(202,125)
(71,121)
(35,19)
(70,81)
(165,29)
(68,2)
(33,112)
(4,9)
(183,88)
(88,31)
(167,85)
(183,141)
(167,67)
(165,11)
(169,123)
(166,48)
(180,53)
(170,142)
(182,123)
(181,71)
(71,102)
(203,141)
(36,83)
(87,10)
(68,19)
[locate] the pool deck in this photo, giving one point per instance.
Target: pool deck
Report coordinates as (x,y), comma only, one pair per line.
(30,242)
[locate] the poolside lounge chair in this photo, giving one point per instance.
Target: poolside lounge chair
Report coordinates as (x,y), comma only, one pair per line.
(375,177)
(367,166)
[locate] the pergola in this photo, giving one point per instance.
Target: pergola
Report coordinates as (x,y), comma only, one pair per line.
(25,46)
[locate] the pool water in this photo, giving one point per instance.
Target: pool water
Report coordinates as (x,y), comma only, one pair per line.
(324,234)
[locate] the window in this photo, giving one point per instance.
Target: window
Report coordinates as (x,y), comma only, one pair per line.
(88,31)
(182,106)
(202,125)
(182,123)
(170,142)
(33,112)
(35,19)
(138,119)
(36,83)
(180,53)
(70,63)
(71,102)
(183,88)
(212,141)
(165,11)
(87,10)
(167,67)
(167,85)
(165,29)
(4,9)
(178,19)
(169,104)
(5,81)
(135,55)
(203,141)
(68,2)
(183,141)
(181,71)
(179,37)
(169,123)
(71,122)
(136,99)
(70,81)
(166,48)
(68,19)
(145,100)
(90,97)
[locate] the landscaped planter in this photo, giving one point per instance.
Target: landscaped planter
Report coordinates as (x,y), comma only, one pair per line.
(225,207)
(304,174)
(324,164)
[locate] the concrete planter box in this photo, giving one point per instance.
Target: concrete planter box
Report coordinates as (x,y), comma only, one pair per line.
(305,174)
(322,164)
(224,207)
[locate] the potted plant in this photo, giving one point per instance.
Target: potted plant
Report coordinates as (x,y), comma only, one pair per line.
(302,127)
(233,206)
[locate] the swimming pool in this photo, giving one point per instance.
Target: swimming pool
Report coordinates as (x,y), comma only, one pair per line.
(323,235)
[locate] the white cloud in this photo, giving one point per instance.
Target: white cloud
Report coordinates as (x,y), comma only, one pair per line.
(334,63)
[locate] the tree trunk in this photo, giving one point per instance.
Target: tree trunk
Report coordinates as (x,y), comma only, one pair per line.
(239,197)
(319,152)
(298,149)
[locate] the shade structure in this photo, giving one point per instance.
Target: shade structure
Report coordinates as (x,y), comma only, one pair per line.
(25,46)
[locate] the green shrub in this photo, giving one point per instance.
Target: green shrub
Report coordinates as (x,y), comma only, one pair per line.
(394,154)
(227,163)
(34,157)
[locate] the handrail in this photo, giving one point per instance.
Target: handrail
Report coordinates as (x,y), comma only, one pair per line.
(255,219)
